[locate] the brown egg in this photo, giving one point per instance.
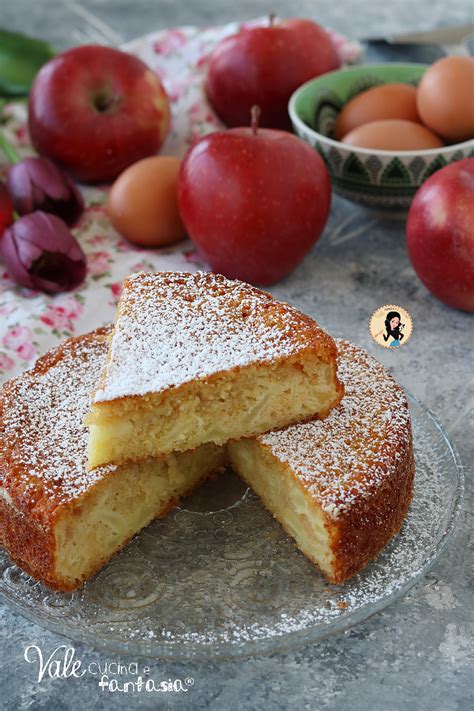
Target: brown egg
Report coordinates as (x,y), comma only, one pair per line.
(445,98)
(393,135)
(143,205)
(389,101)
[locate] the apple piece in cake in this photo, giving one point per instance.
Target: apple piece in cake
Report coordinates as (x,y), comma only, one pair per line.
(341,486)
(197,358)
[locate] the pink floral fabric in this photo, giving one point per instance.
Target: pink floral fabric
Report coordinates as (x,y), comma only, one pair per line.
(32,322)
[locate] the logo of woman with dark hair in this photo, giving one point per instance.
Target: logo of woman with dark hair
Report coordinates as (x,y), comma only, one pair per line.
(391,326)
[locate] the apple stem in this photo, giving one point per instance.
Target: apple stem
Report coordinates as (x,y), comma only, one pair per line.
(271,19)
(255,112)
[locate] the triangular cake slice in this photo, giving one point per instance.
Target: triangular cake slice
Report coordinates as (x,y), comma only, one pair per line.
(58,521)
(197,358)
(340,487)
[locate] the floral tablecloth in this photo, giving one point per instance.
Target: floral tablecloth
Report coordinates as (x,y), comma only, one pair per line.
(32,322)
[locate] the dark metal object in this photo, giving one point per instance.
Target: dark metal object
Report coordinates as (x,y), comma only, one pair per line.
(423,47)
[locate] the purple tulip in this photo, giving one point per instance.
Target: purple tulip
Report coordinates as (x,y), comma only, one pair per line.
(37,184)
(40,252)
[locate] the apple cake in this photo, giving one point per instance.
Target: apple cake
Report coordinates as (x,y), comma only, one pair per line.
(198,358)
(60,522)
(341,486)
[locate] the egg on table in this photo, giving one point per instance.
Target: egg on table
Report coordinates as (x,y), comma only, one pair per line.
(143,202)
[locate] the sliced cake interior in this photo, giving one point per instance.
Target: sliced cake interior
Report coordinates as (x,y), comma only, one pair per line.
(196,358)
(59,521)
(341,486)
(121,504)
(282,494)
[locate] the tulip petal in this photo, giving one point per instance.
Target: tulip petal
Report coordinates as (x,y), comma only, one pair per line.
(38,196)
(41,253)
(44,173)
(14,265)
(38,184)
(27,251)
(19,187)
(56,272)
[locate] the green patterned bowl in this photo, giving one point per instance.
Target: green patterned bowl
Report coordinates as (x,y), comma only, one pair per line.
(386,179)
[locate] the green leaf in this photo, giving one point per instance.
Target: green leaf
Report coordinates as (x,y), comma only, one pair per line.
(20,59)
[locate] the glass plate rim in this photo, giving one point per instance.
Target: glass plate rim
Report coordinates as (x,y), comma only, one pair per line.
(293,639)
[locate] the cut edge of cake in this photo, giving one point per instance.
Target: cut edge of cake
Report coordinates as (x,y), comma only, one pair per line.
(232,362)
(59,522)
(84,535)
(340,487)
(339,548)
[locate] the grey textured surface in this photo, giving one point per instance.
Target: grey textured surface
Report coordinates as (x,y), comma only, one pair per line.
(419,652)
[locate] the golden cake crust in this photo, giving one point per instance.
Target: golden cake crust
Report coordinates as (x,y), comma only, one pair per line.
(32,546)
(32,490)
(36,476)
(161,342)
(356,465)
(198,358)
(371,523)
(43,454)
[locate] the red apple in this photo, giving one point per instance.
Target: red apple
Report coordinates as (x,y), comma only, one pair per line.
(264,66)
(440,234)
(96,110)
(254,201)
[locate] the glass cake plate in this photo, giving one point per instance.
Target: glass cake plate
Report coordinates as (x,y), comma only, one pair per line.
(218,577)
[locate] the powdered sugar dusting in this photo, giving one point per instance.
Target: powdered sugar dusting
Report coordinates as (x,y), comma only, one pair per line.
(351,452)
(242,587)
(44,441)
(174,327)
